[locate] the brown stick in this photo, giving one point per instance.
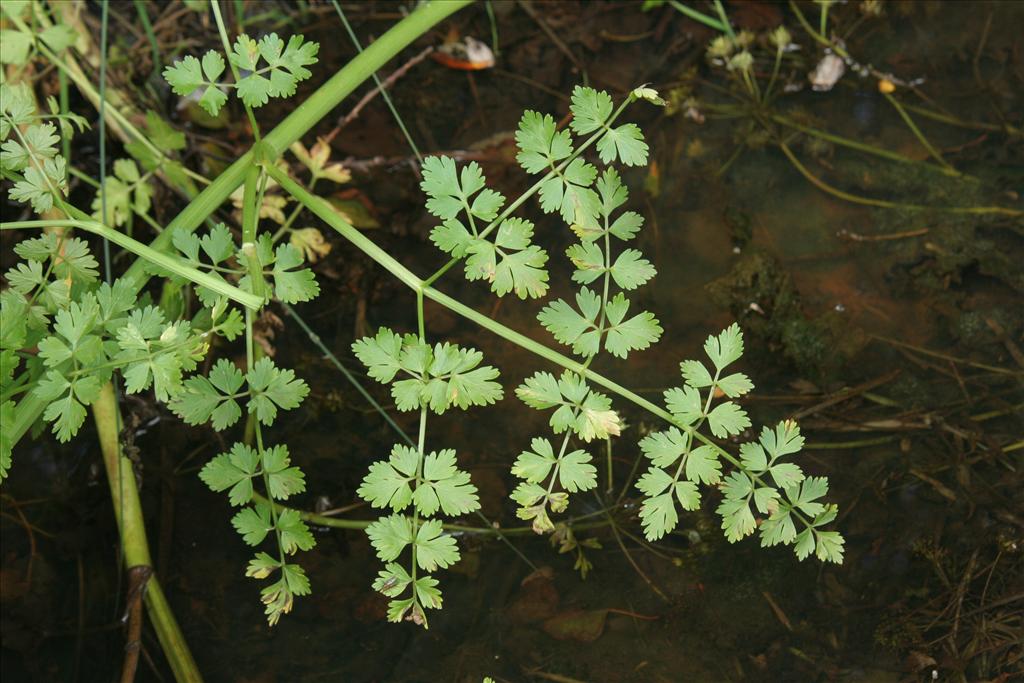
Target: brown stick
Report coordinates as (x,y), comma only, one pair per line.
(138,577)
(368,97)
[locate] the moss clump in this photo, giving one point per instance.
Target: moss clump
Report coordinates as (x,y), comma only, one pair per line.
(818,347)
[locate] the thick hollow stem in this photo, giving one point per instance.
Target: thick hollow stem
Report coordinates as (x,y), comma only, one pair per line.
(130,523)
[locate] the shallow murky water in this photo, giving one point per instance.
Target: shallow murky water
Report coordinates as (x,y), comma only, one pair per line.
(911,440)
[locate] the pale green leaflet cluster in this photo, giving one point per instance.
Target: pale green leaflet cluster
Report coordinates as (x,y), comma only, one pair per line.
(777,490)
(85,330)
(425,378)
(272,68)
(590,202)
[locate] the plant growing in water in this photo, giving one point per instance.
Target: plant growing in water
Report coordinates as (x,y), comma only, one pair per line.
(434,379)
(67,337)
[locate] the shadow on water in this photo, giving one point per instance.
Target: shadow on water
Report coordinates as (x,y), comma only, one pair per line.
(893,335)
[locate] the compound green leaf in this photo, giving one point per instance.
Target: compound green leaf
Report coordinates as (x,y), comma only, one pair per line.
(695,374)
(233,470)
(737,519)
(271,388)
(804,543)
(829,546)
(293,532)
(684,404)
(380,354)
(635,334)
(687,495)
(590,109)
(630,270)
(540,391)
(445,485)
(625,142)
(283,479)
(627,225)
(786,474)
(452,237)
(734,385)
(654,482)
(778,528)
(702,465)
(253,523)
(535,465)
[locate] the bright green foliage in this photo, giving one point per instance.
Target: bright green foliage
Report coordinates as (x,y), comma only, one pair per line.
(591,110)
(589,203)
(272,387)
(84,332)
(509,262)
(572,471)
(272,68)
(598,319)
(761,484)
(211,398)
(238,470)
(215,398)
(29,149)
(431,378)
(437,377)
(218,252)
(579,408)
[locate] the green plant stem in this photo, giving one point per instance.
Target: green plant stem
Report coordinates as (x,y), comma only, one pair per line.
(147,27)
(818,37)
(854,144)
(104,20)
(917,133)
(775,75)
(700,17)
(131,525)
(727,27)
(867,201)
(250,220)
(360,524)
(420,455)
(954,121)
(165,261)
